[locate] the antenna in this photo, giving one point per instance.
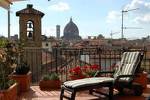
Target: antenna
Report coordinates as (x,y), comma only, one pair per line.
(112,33)
(132,28)
(122,26)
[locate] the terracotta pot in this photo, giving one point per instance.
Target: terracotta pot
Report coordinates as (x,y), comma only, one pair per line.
(49,84)
(142,79)
(1,96)
(24,81)
(10,93)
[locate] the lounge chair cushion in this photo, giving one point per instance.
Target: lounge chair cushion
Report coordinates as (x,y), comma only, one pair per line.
(87,82)
(128,65)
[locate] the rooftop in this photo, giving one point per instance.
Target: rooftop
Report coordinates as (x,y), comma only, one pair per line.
(36,94)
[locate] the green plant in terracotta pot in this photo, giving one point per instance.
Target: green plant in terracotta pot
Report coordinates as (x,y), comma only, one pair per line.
(22,72)
(8,62)
(8,59)
(50,81)
(22,75)
(22,69)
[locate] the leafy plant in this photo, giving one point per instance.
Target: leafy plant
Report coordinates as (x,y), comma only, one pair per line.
(22,69)
(8,61)
(6,84)
(46,77)
(51,76)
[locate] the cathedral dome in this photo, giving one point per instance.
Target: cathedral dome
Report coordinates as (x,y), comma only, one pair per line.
(71,28)
(71,31)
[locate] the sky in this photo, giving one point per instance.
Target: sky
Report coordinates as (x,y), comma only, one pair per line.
(93,17)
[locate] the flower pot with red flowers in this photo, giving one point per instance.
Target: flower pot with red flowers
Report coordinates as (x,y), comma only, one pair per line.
(80,72)
(142,79)
(76,73)
(50,81)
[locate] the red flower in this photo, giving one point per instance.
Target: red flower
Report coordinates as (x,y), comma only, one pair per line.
(83,71)
(95,67)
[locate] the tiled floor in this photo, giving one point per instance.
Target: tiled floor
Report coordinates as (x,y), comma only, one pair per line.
(36,94)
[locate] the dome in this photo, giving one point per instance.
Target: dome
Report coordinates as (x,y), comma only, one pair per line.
(71,30)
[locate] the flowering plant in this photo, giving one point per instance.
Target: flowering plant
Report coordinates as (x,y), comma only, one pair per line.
(79,72)
(8,61)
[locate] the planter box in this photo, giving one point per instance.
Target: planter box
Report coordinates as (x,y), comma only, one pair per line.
(49,84)
(23,81)
(10,93)
(1,96)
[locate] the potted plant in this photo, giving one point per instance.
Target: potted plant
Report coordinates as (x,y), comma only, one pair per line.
(22,75)
(141,78)
(10,91)
(50,81)
(80,72)
(8,87)
(22,72)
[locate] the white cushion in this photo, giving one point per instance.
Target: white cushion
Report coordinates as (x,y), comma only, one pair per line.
(87,81)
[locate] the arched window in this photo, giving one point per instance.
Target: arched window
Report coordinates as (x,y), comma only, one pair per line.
(46,44)
(30,29)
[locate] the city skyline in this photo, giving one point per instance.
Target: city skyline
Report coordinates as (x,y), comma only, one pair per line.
(93,17)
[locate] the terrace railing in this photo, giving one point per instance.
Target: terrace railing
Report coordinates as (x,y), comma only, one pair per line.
(60,60)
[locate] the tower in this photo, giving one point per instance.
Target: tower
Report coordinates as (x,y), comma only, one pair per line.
(30,36)
(58,31)
(30,26)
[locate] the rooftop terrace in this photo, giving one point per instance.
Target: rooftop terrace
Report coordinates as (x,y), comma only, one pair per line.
(36,94)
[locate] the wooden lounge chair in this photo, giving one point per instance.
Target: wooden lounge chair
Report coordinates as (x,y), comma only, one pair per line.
(122,77)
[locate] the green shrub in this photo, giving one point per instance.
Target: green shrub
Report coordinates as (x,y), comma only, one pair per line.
(51,76)
(22,69)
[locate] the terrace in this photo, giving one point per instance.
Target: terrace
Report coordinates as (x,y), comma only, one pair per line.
(62,59)
(36,94)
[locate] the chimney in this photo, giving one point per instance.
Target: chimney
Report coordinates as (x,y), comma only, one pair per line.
(29,5)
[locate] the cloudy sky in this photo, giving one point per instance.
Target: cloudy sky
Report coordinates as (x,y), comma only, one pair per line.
(92,17)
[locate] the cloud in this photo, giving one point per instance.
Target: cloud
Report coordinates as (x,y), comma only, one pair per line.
(141,15)
(60,6)
(134,4)
(49,31)
(4,30)
(113,16)
(147,5)
(142,4)
(143,19)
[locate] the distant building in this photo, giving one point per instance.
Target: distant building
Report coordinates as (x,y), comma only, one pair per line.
(71,31)
(58,31)
(49,44)
(15,37)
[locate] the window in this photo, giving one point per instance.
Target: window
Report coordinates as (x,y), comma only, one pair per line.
(46,44)
(30,29)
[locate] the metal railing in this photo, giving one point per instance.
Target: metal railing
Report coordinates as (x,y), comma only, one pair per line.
(60,60)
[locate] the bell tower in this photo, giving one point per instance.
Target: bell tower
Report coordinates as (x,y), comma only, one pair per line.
(30,36)
(30,26)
